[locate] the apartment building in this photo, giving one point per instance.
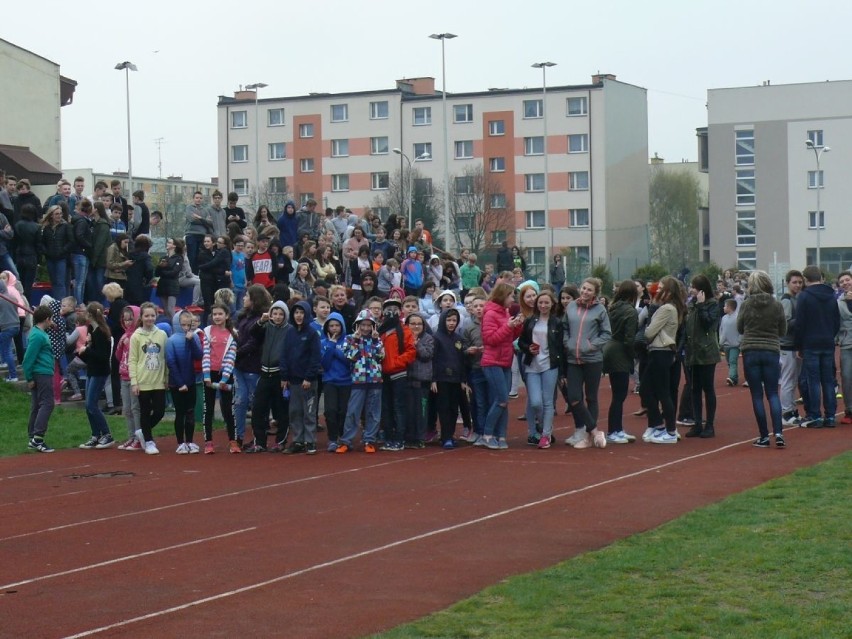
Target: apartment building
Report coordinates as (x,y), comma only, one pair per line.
(760,148)
(339,150)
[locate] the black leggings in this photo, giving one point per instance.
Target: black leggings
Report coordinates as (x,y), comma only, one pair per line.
(655,388)
(447,400)
(703,380)
(152,407)
(226,400)
(184,402)
(336,401)
(619,383)
(584,380)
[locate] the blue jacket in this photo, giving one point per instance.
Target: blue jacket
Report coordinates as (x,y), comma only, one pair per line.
(288,226)
(300,352)
(817,319)
(180,356)
(336,368)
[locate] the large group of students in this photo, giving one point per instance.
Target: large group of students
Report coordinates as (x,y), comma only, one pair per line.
(342,323)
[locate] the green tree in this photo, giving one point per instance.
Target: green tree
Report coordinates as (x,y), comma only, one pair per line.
(604,274)
(675,198)
(650,272)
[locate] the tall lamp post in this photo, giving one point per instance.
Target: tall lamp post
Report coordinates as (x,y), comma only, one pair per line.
(422,156)
(127,67)
(256,87)
(443,37)
(818,151)
(543,66)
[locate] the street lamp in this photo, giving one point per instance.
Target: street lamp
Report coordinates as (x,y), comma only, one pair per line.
(256,87)
(543,66)
(422,156)
(818,151)
(127,67)
(442,37)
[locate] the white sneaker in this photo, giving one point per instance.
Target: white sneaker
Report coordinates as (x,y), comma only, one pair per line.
(630,438)
(182,449)
(617,437)
(598,438)
(585,441)
(650,432)
(664,437)
(578,436)
(193,449)
(151,448)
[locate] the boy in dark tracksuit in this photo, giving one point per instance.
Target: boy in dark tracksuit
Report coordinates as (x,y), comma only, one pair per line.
(300,369)
(270,330)
(336,377)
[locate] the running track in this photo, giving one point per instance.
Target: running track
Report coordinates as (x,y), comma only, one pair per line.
(338,546)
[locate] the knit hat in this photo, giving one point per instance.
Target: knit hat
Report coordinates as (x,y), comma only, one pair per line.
(529,283)
(364,316)
(412,249)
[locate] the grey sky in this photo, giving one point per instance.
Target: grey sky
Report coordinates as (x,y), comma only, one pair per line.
(190,53)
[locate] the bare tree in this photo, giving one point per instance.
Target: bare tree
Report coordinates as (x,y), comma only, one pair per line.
(426,199)
(478,206)
(274,196)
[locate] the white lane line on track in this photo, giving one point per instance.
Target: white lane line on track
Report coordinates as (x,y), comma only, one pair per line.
(118,560)
(43,472)
(395,544)
(203,500)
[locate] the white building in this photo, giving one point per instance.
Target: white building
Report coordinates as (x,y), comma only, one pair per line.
(338,149)
(763,176)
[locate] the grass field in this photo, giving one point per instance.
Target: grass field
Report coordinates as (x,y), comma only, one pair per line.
(770,562)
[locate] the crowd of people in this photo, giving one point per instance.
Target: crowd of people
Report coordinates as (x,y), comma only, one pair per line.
(339,322)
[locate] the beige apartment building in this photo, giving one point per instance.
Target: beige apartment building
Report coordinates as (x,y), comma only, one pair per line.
(341,149)
(760,149)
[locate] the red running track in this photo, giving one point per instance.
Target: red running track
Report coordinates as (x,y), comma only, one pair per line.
(338,545)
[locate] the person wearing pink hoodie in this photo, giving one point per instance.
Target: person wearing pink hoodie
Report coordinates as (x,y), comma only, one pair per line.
(129,402)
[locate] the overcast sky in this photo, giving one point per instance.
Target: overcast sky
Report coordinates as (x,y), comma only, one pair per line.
(189,53)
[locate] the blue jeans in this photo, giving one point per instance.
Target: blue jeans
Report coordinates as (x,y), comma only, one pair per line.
(541,391)
(57,270)
(497,419)
(360,396)
(81,273)
(94,387)
(95,282)
(818,370)
(732,354)
(6,338)
(246,383)
(762,372)
(6,264)
(479,400)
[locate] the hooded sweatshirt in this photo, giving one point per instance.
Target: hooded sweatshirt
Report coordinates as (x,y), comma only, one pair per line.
(181,355)
(288,225)
(448,358)
(225,366)
(420,370)
(817,319)
(14,294)
(271,336)
(147,359)
(300,352)
(122,349)
(8,310)
(366,355)
(762,323)
(336,369)
(587,330)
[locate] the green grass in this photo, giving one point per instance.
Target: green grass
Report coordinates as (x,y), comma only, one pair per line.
(770,562)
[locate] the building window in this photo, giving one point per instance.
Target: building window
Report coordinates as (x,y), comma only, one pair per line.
(746,228)
(534,182)
(464,185)
(240,186)
(578,143)
(306,130)
(536,268)
(339,112)
(239,120)
(496,127)
(498,201)
(579,217)
(380,181)
(535,219)
(577,106)
(497,165)
(498,237)
(812,219)
(304,197)
(423,186)
(155,189)
(379,146)
(816,179)
(464,149)
(578,181)
(339,148)
(422,151)
(277,185)
(815,138)
(277,151)
(744,147)
(462,113)
(379,110)
(463,222)
(239,153)
(746,260)
(422,116)
(382,211)
(306,165)
(533,109)
(340,182)
(745,187)
(275,117)
(534,145)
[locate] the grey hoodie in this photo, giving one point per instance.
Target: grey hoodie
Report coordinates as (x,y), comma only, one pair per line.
(420,370)
(272,336)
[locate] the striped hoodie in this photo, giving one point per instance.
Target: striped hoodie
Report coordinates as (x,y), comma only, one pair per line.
(227,368)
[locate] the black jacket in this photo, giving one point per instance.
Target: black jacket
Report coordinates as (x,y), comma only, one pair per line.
(27,243)
(139,274)
(213,264)
(168,270)
(57,242)
(555,348)
(82,232)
